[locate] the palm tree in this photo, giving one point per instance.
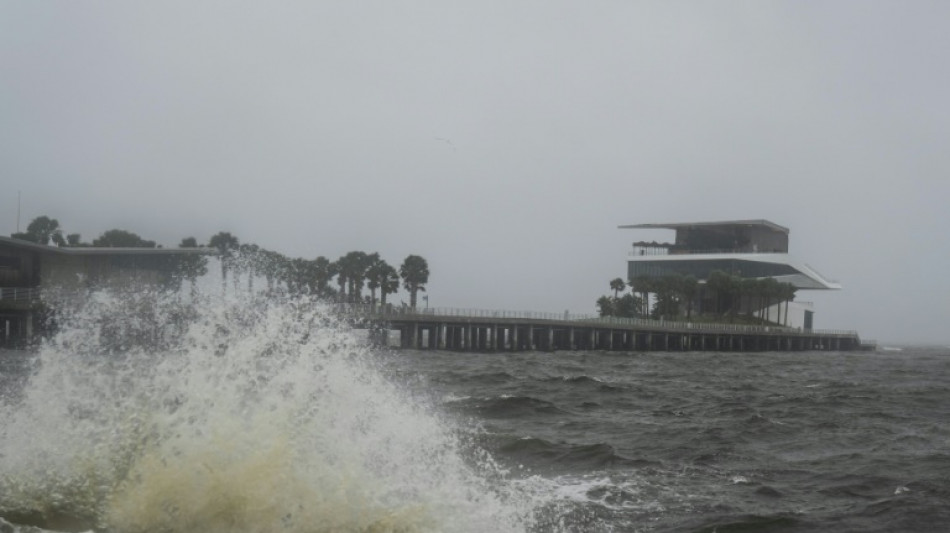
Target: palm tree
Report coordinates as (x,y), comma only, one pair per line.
(352,273)
(376,276)
(786,293)
(644,285)
(627,306)
(605,306)
(688,286)
(718,282)
(192,266)
(251,262)
(415,274)
(617,285)
(362,264)
(340,269)
(299,275)
(322,272)
(389,283)
(226,245)
(770,290)
(667,296)
(746,289)
(269,265)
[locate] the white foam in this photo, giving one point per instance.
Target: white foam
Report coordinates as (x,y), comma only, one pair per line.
(237,413)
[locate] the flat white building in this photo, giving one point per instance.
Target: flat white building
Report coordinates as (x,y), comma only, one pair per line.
(744,248)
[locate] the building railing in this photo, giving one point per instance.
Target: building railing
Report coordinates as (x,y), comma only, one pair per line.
(396,312)
(648,251)
(19,294)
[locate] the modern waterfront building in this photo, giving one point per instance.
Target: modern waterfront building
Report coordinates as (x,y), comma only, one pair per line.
(744,248)
(27,270)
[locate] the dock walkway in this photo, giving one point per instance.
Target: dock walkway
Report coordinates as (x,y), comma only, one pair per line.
(493,330)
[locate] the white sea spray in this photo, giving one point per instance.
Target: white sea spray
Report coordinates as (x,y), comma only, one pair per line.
(149,412)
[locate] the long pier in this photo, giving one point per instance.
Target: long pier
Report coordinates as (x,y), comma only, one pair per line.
(494,331)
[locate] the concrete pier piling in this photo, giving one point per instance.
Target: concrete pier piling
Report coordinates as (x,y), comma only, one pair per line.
(492,331)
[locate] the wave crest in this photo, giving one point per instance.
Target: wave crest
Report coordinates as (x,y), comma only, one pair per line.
(245,413)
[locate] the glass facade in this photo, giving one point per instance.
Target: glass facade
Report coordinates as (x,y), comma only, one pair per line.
(701,269)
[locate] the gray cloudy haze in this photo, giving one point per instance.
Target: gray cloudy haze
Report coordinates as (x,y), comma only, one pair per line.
(502,141)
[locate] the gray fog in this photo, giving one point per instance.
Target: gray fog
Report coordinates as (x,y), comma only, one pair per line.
(502,141)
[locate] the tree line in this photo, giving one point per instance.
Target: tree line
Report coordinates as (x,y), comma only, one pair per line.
(342,280)
(674,295)
(46,230)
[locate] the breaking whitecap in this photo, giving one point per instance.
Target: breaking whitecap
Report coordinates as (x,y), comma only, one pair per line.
(147,411)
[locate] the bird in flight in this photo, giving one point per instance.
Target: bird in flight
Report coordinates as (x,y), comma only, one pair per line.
(446,141)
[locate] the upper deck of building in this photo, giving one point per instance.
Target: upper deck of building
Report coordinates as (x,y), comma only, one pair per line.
(723,237)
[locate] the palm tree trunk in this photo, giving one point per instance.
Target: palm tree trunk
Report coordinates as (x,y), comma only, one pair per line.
(224,277)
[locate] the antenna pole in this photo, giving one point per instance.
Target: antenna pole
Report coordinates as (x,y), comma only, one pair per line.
(18,211)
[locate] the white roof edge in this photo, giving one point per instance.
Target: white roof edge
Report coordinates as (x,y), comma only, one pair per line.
(676,225)
(819,281)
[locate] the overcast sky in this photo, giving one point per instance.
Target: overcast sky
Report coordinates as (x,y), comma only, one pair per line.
(503,141)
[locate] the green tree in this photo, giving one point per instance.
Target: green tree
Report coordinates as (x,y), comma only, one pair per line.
(667,289)
(191,266)
(788,294)
(605,306)
(42,230)
(248,260)
(644,285)
(227,245)
(358,277)
(376,276)
(352,272)
(339,267)
(389,283)
(770,290)
(321,271)
(299,275)
(748,289)
(688,286)
(627,306)
(415,274)
(268,264)
(721,284)
(118,238)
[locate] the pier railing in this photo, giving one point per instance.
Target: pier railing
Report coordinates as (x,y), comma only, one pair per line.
(392,312)
(19,294)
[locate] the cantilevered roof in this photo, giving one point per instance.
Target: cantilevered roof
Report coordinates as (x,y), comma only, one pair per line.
(91,250)
(724,223)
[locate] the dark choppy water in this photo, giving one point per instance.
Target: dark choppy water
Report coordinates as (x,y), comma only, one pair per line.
(723,442)
(151,413)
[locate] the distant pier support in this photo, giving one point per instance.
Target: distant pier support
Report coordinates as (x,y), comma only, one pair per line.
(490,331)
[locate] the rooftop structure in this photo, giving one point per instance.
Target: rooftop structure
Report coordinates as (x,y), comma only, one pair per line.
(731,236)
(747,248)
(756,249)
